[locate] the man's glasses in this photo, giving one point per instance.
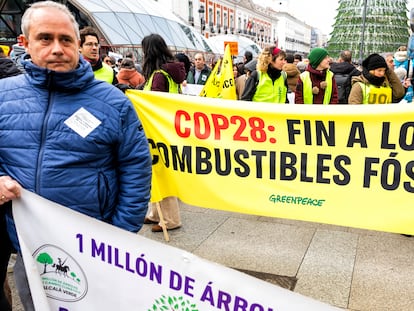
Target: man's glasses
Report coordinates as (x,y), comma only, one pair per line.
(91,44)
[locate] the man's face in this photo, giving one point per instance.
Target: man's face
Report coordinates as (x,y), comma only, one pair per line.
(90,48)
(390,62)
(52,41)
(199,61)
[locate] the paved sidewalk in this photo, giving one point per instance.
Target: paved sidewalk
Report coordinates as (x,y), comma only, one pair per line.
(348,268)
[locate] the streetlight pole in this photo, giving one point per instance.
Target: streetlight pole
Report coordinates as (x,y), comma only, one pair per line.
(201,12)
(364,17)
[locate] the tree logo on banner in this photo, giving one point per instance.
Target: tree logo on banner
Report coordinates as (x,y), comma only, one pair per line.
(62,277)
(173,304)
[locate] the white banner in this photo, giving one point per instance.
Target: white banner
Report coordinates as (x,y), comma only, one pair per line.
(76,263)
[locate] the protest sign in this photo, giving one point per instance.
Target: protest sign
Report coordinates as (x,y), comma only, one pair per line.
(343,165)
(77,263)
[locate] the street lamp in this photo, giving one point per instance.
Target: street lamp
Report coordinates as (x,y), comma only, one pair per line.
(364,17)
(201,12)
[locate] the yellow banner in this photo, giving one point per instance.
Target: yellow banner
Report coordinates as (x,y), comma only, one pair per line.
(212,87)
(221,84)
(227,83)
(337,164)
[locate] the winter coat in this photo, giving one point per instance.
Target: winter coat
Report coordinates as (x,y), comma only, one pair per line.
(8,68)
(202,79)
(344,68)
(176,71)
(391,79)
(130,77)
(105,173)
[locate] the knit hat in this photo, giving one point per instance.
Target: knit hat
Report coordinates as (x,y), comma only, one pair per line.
(374,61)
(316,56)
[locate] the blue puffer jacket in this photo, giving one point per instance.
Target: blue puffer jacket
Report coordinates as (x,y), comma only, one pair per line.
(106,175)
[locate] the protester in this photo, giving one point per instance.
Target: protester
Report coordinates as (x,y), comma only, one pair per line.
(131,55)
(389,59)
(7,69)
(241,80)
(110,61)
(292,73)
(200,71)
(164,74)
(17,52)
(377,84)
(403,67)
(129,75)
(297,58)
(90,51)
(247,57)
(74,150)
(268,83)
(316,85)
(343,71)
(181,57)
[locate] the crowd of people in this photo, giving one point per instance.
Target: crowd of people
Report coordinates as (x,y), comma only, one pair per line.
(106,172)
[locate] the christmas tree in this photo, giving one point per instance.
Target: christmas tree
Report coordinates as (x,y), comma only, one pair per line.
(369,26)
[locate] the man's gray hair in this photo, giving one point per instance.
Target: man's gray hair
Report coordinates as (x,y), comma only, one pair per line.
(27,16)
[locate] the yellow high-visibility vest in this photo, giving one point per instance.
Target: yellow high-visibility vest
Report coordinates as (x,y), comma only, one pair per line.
(307,87)
(267,91)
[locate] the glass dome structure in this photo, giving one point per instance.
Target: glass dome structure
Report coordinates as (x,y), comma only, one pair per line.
(124,23)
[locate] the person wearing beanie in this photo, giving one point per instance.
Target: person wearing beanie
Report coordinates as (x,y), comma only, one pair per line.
(377,84)
(268,83)
(316,85)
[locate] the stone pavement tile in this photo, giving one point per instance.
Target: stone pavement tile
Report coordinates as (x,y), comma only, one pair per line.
(196,227)
(258,246)
(303,223)
(326,271)
(383,274)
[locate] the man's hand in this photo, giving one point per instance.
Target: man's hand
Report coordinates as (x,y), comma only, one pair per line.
(9,189)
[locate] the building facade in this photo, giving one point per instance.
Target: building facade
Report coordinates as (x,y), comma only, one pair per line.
(264,25)
(123,23)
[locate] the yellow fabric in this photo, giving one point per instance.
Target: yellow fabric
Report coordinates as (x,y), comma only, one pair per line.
(221,84)
(172,86)
(337,164)
(105,73)
(372,94)
(212,86)
(307,87)
(267,91)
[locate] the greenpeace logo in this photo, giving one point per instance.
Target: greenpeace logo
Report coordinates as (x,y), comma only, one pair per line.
(295,200)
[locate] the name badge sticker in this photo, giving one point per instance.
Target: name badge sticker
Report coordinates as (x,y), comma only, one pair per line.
(83,122)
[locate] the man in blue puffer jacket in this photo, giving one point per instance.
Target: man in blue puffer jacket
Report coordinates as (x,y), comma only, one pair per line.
(70,138)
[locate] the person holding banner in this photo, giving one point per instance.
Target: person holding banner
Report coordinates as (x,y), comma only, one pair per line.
(164,74)
(7,69)
(268,83)
(377,84)
(68,137)
(317,85)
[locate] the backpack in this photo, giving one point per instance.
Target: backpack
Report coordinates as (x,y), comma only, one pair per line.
(343,82)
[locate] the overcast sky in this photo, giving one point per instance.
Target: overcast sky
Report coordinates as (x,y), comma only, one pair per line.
(317,13)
